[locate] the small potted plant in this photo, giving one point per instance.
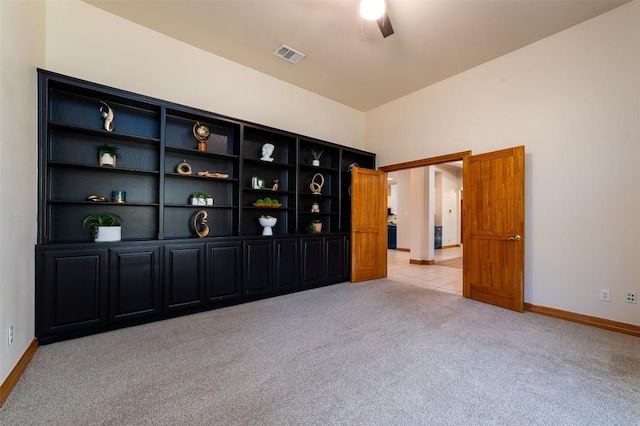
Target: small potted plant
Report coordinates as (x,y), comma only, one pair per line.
(316,157)
(105,227)
(107,154)
(201,199)
(315,227)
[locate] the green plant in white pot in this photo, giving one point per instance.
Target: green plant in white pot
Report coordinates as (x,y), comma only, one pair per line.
(201,199)
(104,227)
(316,157)
(315,227)
(107,154)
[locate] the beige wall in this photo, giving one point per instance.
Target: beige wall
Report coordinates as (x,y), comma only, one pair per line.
(447,214)
(89,43)
(21,51)
(573,101)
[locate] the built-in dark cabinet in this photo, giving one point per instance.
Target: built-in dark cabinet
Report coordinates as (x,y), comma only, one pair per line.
(134,282)
(323,260)
(75,294)
(312,271)
(287,264)
(162,267)
(258,267)
(224,271)
(184,283)
(335,253)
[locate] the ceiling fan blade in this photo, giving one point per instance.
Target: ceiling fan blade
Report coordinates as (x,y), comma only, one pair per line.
(384,23)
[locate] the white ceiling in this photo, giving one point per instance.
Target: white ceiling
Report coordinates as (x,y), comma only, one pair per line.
(347,59)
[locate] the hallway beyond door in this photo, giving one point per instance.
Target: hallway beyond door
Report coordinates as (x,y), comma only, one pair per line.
(440,278)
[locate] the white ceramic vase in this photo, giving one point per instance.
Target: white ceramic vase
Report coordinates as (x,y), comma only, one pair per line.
(109,233)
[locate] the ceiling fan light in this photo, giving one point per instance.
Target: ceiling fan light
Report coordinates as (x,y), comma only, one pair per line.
(372,9)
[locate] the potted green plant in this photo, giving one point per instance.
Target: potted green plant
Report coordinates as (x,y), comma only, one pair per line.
(316,157)
(104,227)
(201,199)
(315,227)
(107,154)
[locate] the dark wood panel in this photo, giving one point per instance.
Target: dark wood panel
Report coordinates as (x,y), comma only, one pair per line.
(258,267)
(224,266)
(334,258)
(134,282)
(72,290)
(287,261)
(312,264)
(184,275)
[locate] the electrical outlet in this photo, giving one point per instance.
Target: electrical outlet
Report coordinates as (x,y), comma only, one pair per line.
(631,297)
(605,294)
(10,335)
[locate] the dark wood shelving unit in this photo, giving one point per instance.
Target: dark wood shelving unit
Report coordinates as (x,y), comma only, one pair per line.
(161,268)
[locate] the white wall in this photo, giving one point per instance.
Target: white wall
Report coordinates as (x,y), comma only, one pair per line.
(573,101)
(21,51)
(404,205)
(89,43)
(448,184)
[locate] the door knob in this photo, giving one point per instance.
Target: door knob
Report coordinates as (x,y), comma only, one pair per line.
(514,238)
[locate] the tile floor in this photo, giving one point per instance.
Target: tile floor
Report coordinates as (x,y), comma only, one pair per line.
(435,277)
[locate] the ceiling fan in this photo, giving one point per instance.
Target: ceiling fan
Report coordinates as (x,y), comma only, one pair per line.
(376,10)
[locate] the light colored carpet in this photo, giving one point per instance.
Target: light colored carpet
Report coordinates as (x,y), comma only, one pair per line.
(374,353)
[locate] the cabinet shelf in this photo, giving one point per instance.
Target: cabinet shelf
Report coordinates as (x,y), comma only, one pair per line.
(103,203)
(188,151)
(279,209)
(310,168)
(319,214)
(190,206)
(267,191)
(102,133)
(106,169)
(203,178)
(269,164)
(318,196)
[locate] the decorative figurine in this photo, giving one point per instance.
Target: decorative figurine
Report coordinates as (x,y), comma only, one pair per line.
(316,187)
(267,151)
(275,185)
(315,208)
(184,168)
(202,133)
(107,114)
(200,223)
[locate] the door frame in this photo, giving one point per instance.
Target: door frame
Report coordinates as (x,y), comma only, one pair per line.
(433,161)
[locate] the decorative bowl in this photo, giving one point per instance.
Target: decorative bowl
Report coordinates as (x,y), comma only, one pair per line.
(268,221)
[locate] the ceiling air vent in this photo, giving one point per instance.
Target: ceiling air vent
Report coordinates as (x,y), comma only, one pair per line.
(289,54)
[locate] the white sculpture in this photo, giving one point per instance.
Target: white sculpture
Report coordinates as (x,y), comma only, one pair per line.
(267,151)
(107,114)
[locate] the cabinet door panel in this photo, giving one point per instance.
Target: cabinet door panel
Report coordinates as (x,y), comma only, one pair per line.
(184,275)
(72,291)
(224,266)
(287,264)
(334,258)
(312,262)
(258,267)
(134,282)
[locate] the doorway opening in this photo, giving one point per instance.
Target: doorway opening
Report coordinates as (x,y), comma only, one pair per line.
(440,268)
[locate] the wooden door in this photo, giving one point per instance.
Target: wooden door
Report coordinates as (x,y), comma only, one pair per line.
(368,224)
(493,270)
